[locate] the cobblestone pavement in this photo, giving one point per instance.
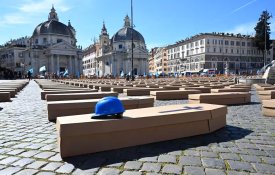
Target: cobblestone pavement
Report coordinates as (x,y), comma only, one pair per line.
(28,145)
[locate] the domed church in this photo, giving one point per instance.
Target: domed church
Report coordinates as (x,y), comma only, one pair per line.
(53,45)
(115,54)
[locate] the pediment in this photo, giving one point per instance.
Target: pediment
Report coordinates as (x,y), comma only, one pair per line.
(62,46)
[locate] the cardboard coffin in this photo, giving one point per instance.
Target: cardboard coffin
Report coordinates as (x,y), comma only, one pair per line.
(223,98)
(215,86)
(11,91)
(229,90)
(44,93)
(80,134)
(119,89)
(10,87)
(139,85)
(105,88)
(63,89)
(168,87)
(4,96)
(266,88)
(266,95)
(202,89)
(139,91)
(76,107)
(79,96)
(173,94)
(268,108)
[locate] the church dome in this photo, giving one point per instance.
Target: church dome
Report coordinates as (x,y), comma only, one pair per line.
(125,34)
(53,27)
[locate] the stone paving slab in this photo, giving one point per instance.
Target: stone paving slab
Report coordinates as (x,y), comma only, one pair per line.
(28,145)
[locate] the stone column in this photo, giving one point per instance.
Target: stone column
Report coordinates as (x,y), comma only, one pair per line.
(52,64)
(75,65)
(58,67)
(70,65)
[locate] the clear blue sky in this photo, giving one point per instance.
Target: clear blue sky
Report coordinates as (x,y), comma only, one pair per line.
(161,22)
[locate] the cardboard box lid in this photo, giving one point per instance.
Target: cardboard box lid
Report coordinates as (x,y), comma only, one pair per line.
(163,92)
(218,95)
(84,94)
(68,91)
(187,88)
(229,90)
(139,118)
(71,104)
(267,92)
(78,96)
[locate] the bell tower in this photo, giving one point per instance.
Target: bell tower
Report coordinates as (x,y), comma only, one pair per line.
(53,15)
(104,36)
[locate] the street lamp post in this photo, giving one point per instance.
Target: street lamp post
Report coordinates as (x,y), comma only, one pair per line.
(265,42)
(132,26)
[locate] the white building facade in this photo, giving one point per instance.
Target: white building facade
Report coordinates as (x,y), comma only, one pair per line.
(235,53)
(114,55)
(53,45)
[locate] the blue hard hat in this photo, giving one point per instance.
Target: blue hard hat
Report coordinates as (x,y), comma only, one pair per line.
(108,107)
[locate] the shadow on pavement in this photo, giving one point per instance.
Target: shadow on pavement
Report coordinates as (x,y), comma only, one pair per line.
(100,159)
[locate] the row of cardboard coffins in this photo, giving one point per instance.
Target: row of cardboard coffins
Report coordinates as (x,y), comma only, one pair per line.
(143,83)
(266,93)
(80,134)
(142,123)
(9,89)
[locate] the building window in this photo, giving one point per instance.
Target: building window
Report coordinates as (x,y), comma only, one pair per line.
(225,50)
(59,40)
(214,49)
(208,42)
(248,44)
(231,50)
(243,43)
(120,46)
(226,42)
(44,40)
(36,41)
(232,43)
(237,43)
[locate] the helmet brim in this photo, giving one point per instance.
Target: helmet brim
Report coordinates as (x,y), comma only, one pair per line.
(113,116)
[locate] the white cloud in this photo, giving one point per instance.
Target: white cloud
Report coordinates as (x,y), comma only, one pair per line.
(13,19)
(151,45)
(248,28)
(244,29)
(29,9)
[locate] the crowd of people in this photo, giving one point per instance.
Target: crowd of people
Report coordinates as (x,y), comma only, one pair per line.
(8,74)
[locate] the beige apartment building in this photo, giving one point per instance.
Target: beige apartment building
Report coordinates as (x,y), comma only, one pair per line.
(223,52)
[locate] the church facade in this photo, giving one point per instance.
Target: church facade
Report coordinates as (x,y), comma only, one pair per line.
(52,45)
(113,56)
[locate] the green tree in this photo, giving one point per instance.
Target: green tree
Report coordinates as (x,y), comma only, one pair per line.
(262,36)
